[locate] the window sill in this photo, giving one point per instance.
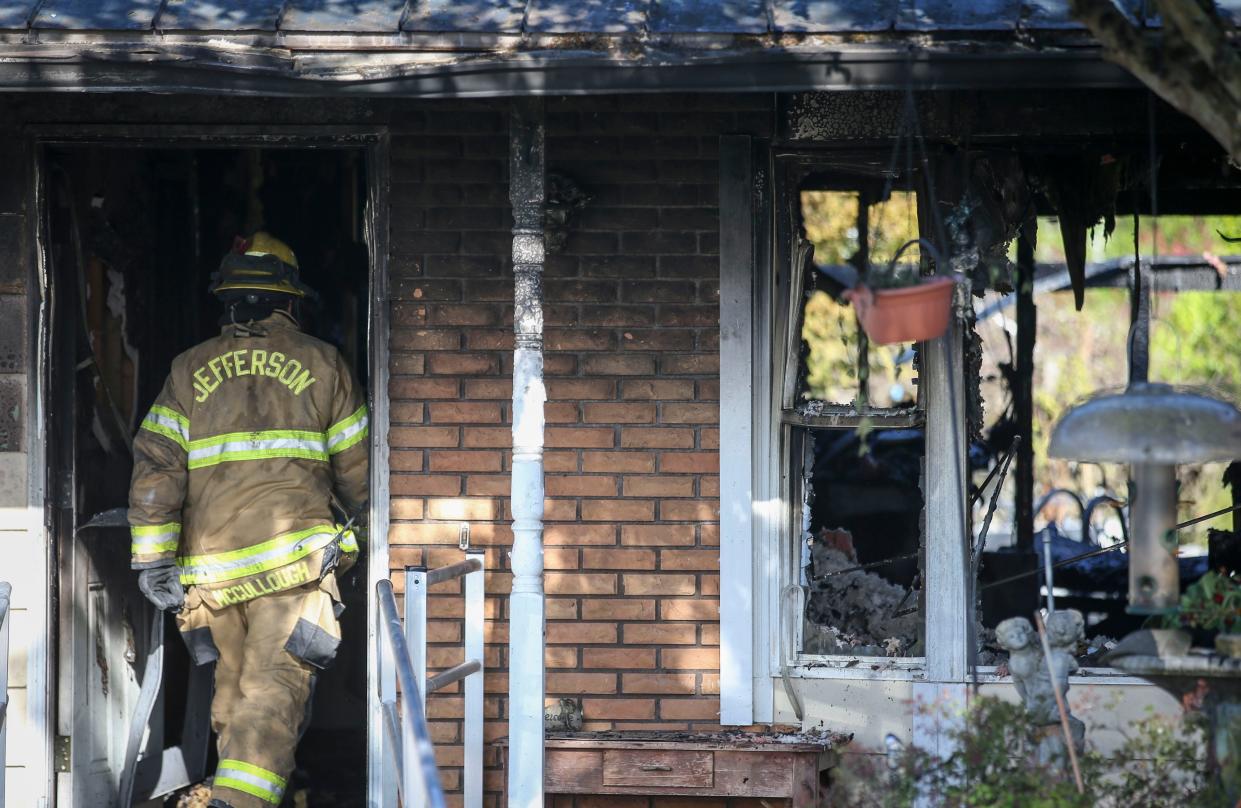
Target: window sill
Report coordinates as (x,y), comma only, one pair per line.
(912,669)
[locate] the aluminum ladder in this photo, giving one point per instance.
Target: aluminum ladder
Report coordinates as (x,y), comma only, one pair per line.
(406,727)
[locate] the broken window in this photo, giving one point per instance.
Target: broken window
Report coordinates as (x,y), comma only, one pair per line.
(853,418)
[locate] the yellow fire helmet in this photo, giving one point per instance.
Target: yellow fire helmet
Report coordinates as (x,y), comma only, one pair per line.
(260,263)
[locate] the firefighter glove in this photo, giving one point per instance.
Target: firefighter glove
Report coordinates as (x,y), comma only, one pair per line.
(162,586)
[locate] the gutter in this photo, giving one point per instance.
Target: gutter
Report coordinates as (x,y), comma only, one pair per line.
(279,73)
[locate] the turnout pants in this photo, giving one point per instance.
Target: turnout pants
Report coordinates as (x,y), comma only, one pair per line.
(267,652)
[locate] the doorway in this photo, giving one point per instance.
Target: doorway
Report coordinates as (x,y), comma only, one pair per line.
(131,237)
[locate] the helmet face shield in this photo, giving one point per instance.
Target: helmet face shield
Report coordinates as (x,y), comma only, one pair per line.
(255,271)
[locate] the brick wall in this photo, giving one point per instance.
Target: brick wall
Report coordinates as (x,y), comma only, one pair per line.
(632,368)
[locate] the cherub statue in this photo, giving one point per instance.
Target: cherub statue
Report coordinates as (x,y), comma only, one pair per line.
(1033,680)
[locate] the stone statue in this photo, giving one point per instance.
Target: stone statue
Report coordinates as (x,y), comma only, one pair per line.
(1031,677)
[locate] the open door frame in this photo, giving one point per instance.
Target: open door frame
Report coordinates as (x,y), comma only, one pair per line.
(373,141)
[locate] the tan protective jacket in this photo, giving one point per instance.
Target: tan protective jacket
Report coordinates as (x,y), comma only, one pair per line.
(238,460)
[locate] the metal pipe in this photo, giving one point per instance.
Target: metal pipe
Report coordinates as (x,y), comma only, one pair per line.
(1154,575)
(457,570)
(1047,576)
(416,626)
(472,727)
(454,674)
(419,775)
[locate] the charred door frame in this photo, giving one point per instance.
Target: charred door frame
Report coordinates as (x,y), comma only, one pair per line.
(373,142)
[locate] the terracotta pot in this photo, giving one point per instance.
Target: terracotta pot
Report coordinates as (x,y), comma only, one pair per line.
(912,314)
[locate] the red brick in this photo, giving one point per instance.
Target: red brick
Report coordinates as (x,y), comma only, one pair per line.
(709,486)
(709,535)
(657,438)
(416,339)
(690,658)
(580,534)
(580,389)
(423,534)
(488,485)
(559,656)
(579,339)
(446,460)
(581,437)
(709,390)
(694,510)
(697,610)
(659,683)
(648,486)
(407,508)
(698,709)
(688,364)
(657,340)
(710,634)
(460,363)
(657,389)
(561,412)
(657,534)
(689,462)
(560,558)
(614,462)
(620,658)
(710,585)
(419,436)
(464,314)
(406,412)
(618,365)
(618,709)
(476,389)
(486,437)
(425,388)
(561,608)
(578,633)
(581,486)
(554,461)
(618,609)
(579,683)
(615,559)
(618,510)
(405,460)
(687,317)
(464,412)
(407,364)
(442,485)
(637,584)
(709,438)
(462,509)
(659,634)
(557,583)
(689,413)
(711,683)
(607,413)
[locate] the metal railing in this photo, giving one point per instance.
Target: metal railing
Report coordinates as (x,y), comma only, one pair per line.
(406,727)
(5,590)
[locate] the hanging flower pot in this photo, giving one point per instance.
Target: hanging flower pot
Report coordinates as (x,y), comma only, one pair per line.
(893,309)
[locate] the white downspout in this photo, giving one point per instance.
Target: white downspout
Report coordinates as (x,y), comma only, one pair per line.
(526,613)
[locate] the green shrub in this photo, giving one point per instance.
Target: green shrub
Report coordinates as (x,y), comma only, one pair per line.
(1160,764)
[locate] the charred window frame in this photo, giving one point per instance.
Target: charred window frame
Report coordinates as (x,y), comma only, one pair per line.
(939,555)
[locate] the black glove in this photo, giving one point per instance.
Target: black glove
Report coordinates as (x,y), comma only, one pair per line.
(162,586)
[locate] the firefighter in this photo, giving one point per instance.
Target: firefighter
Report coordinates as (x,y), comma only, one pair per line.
(255,434)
